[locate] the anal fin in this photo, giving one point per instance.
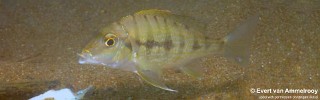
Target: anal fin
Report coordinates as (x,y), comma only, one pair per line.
(191,67)
(192,71)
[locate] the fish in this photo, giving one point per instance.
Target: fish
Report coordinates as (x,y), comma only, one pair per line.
(150,40)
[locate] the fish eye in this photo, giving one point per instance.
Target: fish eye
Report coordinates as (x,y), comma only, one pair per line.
(109,40)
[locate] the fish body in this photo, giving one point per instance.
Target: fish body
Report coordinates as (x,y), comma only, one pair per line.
(150,40)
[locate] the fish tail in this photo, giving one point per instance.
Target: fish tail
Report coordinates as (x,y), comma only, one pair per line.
(237,44)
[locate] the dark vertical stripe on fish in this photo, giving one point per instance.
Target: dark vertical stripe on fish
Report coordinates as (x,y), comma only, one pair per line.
(150,39)
(207,42)
(136,30)
(195,45)
(157,22)
(167,44)
(158,30)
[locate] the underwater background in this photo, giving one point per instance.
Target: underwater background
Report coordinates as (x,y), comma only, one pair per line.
(40,39)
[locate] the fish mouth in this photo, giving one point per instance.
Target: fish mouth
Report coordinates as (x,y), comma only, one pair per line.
(86,58)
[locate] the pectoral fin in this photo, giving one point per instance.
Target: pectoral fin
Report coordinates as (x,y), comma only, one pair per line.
(153,77)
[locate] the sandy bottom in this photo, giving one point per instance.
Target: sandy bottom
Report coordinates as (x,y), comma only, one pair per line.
(39,42)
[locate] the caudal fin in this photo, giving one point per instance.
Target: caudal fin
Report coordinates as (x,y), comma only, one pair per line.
(237,44)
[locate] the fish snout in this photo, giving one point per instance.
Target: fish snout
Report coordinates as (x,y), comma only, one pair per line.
(86,58)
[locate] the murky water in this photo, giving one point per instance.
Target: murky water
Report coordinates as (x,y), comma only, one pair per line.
(39,42)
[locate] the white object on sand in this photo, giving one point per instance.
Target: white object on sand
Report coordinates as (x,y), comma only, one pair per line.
(62,94)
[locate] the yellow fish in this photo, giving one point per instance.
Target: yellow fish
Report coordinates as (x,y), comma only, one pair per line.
(150,40)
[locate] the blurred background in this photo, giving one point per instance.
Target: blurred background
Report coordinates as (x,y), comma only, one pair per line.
(40,39)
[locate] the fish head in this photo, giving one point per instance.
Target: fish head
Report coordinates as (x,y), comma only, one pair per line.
(106,49)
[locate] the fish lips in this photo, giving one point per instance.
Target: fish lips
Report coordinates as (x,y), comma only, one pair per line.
(87,58)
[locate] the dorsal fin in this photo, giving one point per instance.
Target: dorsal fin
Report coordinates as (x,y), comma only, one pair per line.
(154,12)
